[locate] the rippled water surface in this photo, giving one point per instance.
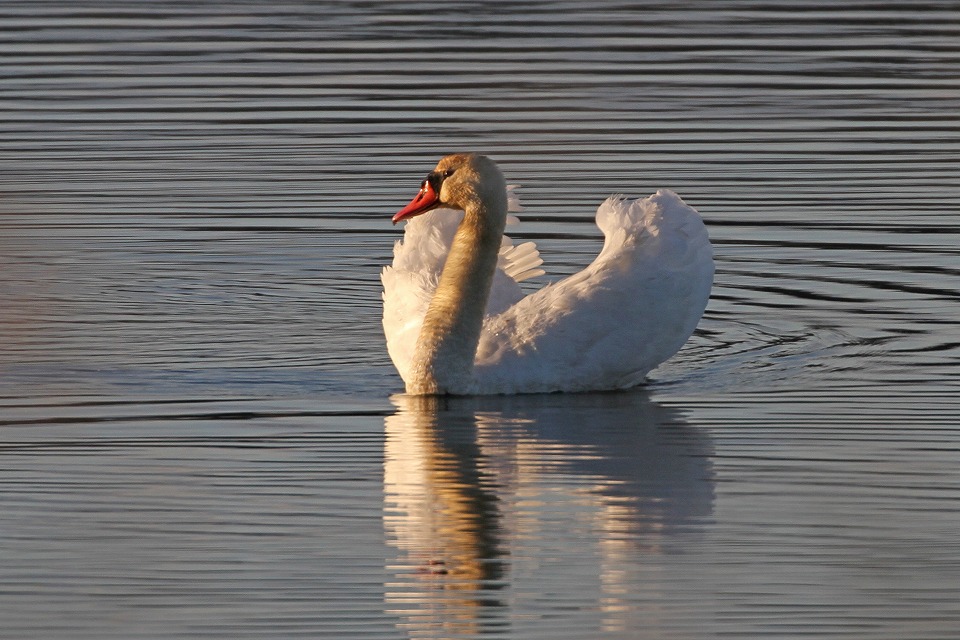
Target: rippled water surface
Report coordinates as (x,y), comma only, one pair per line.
(199,429)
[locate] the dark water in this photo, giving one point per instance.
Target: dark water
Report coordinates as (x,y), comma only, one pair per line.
(198,432)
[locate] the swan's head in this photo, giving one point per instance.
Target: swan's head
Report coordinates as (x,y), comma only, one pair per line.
(459,181)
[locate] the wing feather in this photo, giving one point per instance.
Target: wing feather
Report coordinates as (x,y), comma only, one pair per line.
(610,324)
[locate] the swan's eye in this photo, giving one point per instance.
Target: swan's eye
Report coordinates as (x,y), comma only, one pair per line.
(435,179)
(448,173)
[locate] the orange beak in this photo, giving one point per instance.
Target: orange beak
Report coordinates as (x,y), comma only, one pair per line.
(424,201)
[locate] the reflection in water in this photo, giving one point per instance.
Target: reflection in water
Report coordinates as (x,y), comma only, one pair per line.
(579,490)
(443,512)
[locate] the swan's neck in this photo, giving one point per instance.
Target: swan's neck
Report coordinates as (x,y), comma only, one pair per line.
(447,345)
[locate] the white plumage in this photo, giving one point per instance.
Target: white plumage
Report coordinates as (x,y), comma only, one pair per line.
(603,328)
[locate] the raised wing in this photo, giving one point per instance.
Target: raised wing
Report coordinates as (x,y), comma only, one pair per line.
(610,324)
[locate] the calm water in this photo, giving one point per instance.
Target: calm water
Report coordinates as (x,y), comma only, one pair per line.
(200,432)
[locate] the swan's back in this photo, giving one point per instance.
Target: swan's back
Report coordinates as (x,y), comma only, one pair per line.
(607,326)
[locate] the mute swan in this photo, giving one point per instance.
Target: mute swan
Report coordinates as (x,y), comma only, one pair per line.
(456,321)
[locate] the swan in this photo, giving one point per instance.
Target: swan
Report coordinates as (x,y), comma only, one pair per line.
(457,322)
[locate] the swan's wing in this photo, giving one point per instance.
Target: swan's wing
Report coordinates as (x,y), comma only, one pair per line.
(613,322)
(418,259)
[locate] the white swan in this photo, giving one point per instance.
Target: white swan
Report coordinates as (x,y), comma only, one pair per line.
(456,321)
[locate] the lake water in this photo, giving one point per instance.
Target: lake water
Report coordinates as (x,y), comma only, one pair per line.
(201,434)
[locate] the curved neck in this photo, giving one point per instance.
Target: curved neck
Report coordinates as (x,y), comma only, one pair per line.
(447,345)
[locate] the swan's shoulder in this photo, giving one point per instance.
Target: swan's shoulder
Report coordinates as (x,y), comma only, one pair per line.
(418,259)
(610,324)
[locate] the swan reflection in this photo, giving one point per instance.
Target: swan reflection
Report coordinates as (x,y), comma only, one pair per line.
(494,499)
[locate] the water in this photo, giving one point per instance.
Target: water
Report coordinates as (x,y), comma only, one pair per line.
(199,431)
